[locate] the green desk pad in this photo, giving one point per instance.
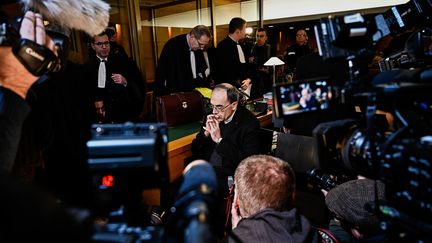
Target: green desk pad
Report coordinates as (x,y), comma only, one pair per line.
(183,130)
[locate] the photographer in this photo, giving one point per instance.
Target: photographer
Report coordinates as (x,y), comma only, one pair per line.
(262,205)
(351,204)
(15,81)
(28,214)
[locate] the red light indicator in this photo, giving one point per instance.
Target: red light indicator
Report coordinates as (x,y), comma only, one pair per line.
(108,181)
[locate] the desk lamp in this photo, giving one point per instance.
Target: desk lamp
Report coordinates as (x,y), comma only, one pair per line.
(274,61)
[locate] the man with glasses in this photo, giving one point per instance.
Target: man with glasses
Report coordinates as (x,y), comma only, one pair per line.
(184,63)
(299,49)
(230,134)
(115,84)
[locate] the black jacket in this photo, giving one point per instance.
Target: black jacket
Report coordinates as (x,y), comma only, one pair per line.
(274,226)
(13,111)
(174,71)
(240,140)
(229,69)
(121,103)
(293,53)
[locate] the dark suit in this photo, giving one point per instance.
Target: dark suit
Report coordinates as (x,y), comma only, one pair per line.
(229,69)
(261,74)
(293,53)
(121,103)
(13,111)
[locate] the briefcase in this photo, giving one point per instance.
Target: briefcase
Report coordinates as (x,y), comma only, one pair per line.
(179,108)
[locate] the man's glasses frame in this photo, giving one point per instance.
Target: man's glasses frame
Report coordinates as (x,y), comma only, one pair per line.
(106,43)
(218,108)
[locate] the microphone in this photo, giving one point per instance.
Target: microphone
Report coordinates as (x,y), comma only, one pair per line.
(90,16)
(197,174)
(192,217)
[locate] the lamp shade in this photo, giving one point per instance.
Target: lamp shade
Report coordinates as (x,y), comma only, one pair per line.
(273,61)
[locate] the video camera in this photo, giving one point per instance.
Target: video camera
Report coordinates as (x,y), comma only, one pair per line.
(125,159)
(388,136)
(37,59)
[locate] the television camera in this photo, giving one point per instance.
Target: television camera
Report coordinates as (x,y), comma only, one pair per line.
(125,159)
(388,136)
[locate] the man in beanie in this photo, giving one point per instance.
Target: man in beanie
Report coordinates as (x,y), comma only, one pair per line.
(351,204)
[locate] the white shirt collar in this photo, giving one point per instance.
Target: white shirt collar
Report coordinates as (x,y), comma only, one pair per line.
(230,118)
(102,59)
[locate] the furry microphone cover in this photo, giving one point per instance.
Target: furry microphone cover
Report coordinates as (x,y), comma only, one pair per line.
(90,16)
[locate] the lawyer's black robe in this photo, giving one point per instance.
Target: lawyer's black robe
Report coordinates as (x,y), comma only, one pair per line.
(174,71)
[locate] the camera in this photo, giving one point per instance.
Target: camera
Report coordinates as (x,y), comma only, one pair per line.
(139,162)
(388,133)
(37,59)
(126,158)
(324,181)
(304,96)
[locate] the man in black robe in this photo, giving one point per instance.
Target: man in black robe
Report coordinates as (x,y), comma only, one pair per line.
(116,85)
(231,65)
(182,65)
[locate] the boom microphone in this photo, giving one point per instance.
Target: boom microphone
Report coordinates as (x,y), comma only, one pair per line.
(90,16)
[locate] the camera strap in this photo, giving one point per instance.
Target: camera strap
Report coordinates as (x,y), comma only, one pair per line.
(370,114)
(228,200)
(37,59)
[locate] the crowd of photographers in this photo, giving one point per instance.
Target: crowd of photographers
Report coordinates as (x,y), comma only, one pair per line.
(262,205)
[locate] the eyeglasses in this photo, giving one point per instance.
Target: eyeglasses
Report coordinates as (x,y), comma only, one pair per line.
(218,108)
(106,43)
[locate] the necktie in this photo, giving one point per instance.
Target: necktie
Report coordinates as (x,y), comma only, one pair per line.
(193,64)
(241,54)
(102,74)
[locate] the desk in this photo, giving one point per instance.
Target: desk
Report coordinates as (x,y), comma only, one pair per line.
(178,151)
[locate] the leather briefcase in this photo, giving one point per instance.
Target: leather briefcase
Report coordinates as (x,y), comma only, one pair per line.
(178,108)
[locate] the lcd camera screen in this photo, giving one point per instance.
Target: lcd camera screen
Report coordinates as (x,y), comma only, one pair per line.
(302,97)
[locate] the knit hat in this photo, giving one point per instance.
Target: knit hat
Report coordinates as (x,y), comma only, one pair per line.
(348,201)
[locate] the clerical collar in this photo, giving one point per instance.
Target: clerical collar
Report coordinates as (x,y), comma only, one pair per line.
(230,118)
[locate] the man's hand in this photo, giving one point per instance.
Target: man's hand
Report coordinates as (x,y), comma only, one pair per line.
(212,128)
(13,75)
(119,79)
(245,84)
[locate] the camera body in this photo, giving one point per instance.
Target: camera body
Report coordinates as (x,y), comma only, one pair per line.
(37,59)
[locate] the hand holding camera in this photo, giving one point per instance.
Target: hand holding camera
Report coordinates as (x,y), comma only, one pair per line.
(14,74)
